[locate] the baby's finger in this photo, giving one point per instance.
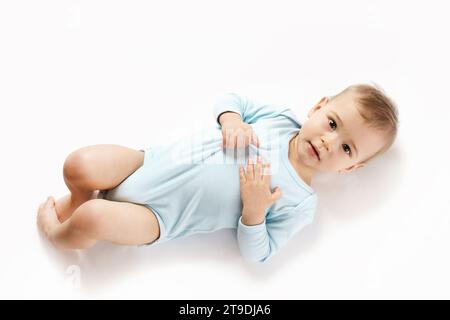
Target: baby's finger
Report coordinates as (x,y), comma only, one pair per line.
(248,138)
(250,170)
(241,141)
(223,140)
(255,140)
(225,135)
(231,140)
(277,194)
(258,170)
(242,178)
(266,172)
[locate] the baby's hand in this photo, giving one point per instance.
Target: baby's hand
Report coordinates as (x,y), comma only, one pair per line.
(256,195)
(238,134)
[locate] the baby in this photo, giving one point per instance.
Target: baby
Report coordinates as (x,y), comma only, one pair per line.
(251,172)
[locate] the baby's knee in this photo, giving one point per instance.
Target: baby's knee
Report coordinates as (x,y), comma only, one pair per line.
(78,166)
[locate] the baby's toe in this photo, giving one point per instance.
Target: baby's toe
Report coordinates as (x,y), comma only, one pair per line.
(42,207)
(47,202)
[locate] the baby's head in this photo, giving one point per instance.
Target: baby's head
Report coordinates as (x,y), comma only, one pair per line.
(348,129)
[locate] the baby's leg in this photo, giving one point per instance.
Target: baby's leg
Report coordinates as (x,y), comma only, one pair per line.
(98,219)
(92,168)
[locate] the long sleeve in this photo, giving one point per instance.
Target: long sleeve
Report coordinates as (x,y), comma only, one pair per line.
(250,111)
(260,242)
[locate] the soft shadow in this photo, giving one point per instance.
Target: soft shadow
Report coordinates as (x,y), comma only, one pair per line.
(356,194)
(106,264)
(302,243)
(61,259)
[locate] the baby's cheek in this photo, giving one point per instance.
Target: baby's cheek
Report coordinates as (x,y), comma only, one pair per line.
(330,165)
(325,125)
(340,164)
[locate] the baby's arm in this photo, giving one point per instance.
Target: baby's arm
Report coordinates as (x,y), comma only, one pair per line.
(260,242)
(256,195)
(235,114)
(260,238)
(236,132)
(249,111)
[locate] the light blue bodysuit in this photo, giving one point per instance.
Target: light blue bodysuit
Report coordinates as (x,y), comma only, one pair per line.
(192,185)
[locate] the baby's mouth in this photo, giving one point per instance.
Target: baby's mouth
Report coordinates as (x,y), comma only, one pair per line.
(315,150)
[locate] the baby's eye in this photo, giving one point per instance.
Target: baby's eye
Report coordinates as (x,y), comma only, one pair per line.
(346,149)
(332,124)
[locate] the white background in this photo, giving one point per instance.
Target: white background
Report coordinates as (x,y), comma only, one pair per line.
(135,73)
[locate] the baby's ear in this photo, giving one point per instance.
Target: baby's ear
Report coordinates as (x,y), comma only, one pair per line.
(354,167)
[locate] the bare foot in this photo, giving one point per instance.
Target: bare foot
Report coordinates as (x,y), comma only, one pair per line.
(46,218)
(65,206)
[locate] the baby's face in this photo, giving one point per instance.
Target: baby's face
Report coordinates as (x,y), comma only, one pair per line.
(339,135)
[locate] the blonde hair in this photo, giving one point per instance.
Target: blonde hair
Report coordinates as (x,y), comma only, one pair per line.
(377,110)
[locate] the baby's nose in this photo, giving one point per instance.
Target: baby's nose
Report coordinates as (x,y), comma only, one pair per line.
(329,140)
(324,143)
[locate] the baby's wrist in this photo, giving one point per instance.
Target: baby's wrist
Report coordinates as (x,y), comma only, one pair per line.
(229,118)
(252,216)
